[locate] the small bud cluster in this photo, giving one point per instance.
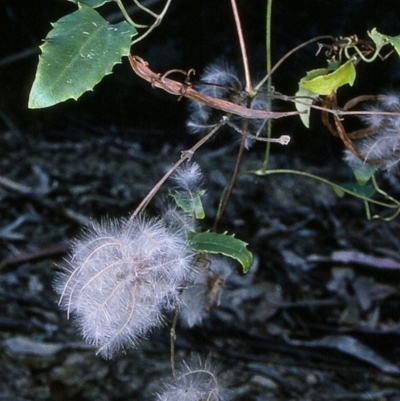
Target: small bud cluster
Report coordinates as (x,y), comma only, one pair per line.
(383,147)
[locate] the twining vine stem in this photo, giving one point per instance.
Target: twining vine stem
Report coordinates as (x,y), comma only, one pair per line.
(269,80)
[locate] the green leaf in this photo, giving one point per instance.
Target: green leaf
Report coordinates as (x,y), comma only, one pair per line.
(395,42)
(325,84)
(363,172)
(338,191)
(306,96)
(228,245)
(380,40)
(366,190)
(78,52)
(92,3)
(191,205)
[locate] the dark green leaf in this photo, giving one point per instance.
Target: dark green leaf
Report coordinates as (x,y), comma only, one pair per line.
(78,52)
(364,172)
(366,190)
(228,245)
(92,3)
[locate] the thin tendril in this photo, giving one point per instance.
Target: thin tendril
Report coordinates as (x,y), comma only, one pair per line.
(157,22)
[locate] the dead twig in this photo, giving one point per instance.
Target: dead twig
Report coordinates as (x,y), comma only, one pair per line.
(184,89)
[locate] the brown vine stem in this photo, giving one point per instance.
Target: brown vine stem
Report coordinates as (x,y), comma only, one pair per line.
(234,177)
(185,89)
(249,90)
(249,86)
(172,344)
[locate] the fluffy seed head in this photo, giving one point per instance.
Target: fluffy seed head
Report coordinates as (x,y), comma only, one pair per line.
(384,145)
(221,82)
(119,278)
(188,177)
(195,381)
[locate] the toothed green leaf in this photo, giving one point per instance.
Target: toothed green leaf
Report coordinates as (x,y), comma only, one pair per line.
(326,83)
(228,245)
(380,40)
(78,52)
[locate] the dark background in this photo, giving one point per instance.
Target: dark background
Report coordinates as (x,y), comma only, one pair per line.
(192,35)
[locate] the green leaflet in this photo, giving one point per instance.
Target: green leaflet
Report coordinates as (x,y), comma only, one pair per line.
(362,186)
(190,205)
(395,42)
(326,83)
(306,97)
(380,40)
(364,172)
(78,52)
(228,245)
(92,3)
(366,190)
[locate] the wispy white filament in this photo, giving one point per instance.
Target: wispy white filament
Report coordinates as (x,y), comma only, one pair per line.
(384,145)
(119,279)
(196,380)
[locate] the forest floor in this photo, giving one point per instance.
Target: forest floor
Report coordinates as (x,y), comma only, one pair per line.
(317,318)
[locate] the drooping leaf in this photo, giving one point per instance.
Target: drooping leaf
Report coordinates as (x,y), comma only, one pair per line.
(224,244)
(338,191)
(192,206)
(78,52)
(363,172)
(92,3)
(306,97)
(325,84)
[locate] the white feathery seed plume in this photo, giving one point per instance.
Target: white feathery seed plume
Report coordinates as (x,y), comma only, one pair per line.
(384,145)
(120,277)
(196,380)
(205,291)
(221,81)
